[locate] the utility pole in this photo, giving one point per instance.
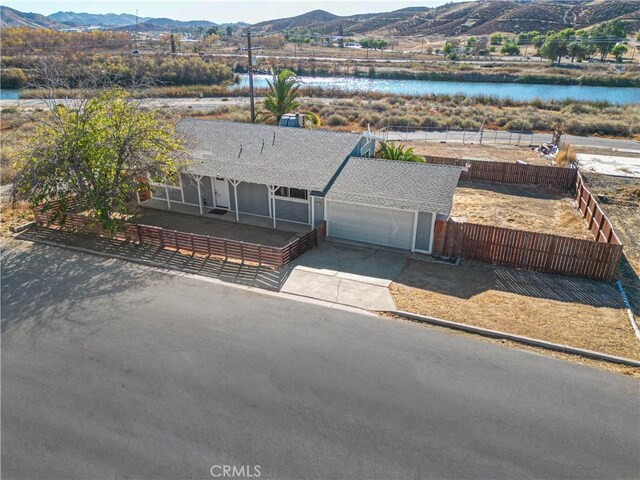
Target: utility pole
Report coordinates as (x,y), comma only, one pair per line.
(253,113)
(135,35)
(173,43)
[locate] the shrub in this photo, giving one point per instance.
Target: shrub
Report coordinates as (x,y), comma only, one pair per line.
(13,78)
(566,155)
(336,120)
(518,124)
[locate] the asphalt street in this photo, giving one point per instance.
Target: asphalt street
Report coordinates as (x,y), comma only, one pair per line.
(113,370)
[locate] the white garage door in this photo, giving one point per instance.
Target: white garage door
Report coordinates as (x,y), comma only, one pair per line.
(379,226)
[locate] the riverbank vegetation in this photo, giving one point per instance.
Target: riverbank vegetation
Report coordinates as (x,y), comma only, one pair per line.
(351,110)
(73,69)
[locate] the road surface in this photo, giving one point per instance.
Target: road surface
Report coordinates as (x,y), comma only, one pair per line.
(505,137)
(111,370)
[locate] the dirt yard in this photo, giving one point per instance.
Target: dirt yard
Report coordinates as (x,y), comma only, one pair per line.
(620,201)
(494,153)
(577,312)
(524,207)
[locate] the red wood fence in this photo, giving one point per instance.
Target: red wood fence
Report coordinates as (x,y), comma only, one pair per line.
(501,172)
(599,225)
(275,257)
(527,250)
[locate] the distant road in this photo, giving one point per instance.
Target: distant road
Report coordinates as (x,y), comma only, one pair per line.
(114,370)
(535,138)
(452,137)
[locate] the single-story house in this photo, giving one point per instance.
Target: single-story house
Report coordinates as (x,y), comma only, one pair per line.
(307,176)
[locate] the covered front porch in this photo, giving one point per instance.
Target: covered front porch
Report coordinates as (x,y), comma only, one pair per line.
(278,207)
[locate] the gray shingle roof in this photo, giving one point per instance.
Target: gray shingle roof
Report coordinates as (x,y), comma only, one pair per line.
(298,157)
(392,183)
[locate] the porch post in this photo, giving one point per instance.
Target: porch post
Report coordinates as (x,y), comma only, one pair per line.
(313,211)
(415,231)
(198,178)
(272,197)
(235,197)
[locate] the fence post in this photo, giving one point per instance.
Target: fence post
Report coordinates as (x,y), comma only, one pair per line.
(520,136)
(446,133)
(139,234)
(464,130)
(407,133)
(510,137)
(426,134)
(495,139)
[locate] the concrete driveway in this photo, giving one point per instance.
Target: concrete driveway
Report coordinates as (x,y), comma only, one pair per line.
(347,274)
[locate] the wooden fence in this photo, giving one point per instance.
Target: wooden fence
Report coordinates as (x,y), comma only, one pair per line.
(234,250)
(501,172)
(527,250)
(598,223)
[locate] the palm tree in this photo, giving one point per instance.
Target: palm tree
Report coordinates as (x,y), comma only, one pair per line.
(282,98)
(389,151)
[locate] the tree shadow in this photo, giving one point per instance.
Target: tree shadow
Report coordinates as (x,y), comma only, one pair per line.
(35,277)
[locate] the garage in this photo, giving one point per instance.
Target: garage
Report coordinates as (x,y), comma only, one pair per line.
(390,203)
(376,225)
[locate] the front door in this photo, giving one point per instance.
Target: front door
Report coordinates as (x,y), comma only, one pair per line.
(221,188)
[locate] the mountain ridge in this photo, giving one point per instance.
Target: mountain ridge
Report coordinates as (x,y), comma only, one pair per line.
(463,18)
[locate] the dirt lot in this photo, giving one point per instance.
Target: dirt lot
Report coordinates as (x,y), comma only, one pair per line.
(524,207)
(494,153)
(621,203)
(577,312)
(13,216)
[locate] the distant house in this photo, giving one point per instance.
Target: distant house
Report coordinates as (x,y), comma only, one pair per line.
(308,176)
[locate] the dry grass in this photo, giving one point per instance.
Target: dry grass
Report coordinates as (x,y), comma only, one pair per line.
(576,312)
(523,207)
(13,215)
(566,155)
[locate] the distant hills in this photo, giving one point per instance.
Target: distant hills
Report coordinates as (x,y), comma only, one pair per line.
(468,18)
(13,18)
(111,21)
(463,18)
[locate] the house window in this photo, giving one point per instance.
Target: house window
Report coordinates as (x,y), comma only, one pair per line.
(297,193)
(171,181)
(282,191)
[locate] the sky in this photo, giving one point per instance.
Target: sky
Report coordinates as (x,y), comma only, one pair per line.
(217,11)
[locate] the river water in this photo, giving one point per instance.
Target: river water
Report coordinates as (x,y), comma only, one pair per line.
(515,91)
